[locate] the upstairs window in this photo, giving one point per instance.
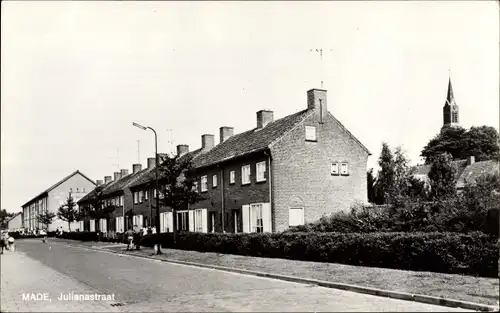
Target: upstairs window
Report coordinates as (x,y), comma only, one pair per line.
(204,186)
(344,168)
(214,181)
(121,200)
(310,133)
(245,174)
(232,177)
(141,196)
(195,186)
(146,194)
(335,168)
(261,170)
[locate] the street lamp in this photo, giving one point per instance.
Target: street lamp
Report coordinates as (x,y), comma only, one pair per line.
(157,244)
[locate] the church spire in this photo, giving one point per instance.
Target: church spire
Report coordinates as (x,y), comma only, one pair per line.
(450,98)
(450,109)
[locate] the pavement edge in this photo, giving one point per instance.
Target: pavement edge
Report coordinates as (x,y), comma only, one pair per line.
(347,287)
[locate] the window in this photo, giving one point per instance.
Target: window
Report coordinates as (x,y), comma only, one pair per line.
(454,117)
(204,183)
(344,168)
(296,216)
(232,177)
(136,197)
(214,181)
(212,218)
(256,218)
(195,186)
(182,220)
(310,133)
(141,196)
(198,218)
(121,200)
(245,174)
(261,169)
(154,193)
(335,168)
(146,194)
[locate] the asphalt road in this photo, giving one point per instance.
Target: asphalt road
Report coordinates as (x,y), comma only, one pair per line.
(149,285)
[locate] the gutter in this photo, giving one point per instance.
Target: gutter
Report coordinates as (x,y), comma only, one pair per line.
(270,187)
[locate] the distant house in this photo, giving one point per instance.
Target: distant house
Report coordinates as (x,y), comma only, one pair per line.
(76,184)
(15,222)
(467,170)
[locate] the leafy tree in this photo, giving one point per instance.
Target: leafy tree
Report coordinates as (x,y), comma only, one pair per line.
(442,177)
(385,177)
(402,172)
(177,181)
(417,189)
(370,179)
(481,142)
(68,212)
(4,216)
(46,218)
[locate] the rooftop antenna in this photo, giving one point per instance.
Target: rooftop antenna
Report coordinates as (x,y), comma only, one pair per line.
(321,65)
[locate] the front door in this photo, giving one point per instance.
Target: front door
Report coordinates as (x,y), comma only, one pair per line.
(236,221)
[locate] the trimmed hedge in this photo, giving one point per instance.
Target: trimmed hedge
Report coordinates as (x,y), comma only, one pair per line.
(17,235)
(91,236)
(456,253)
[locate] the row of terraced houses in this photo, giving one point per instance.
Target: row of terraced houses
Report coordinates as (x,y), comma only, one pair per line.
(283,172)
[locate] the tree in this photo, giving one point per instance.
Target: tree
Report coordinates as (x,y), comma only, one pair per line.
(400,187)
(46,218)
(370,179)
(481,142)
(68,212)
(177,181)
(4,217)
(442,177)
(385,177)
(97,208)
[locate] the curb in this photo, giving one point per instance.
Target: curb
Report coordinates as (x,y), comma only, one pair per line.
(347,287)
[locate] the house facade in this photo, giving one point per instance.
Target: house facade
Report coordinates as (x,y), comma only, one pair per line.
(279,174)
(76,184)
(15,222)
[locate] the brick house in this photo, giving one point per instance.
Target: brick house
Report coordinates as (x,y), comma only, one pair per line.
(76,184)
(281,173)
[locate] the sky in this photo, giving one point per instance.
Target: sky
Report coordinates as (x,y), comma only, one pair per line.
(76,74)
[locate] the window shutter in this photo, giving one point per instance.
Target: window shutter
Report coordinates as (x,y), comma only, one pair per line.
(191,220)
(266,217)
(204,216)
(170,221)
(246,218)
(162,222)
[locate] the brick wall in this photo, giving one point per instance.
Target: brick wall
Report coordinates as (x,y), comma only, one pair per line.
(301,172)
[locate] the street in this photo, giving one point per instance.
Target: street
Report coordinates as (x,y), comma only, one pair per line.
(147,285)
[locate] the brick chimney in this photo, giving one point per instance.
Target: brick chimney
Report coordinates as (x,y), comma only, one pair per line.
(225,132)
(316,100)
(98,182)
(471,160)
(136,168)
(182,149)
(151,163)
(118,175)
(264,117)
(123,173)
(107,179)
(207,142)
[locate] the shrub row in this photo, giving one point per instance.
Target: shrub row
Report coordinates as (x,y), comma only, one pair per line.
(471,253)
(18,235)
(91,236)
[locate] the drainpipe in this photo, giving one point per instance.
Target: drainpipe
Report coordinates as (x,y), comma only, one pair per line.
(222,197)
(270,186)
(123,211)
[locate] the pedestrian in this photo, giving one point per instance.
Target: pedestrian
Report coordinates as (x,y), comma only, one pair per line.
(2,241)
(44,234)
(137,236)
(12,246)
(129,234)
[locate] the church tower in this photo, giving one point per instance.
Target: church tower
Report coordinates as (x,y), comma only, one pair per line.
(450,109)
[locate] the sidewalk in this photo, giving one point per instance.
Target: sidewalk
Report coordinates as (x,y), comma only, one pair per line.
(23,275)
(459,287)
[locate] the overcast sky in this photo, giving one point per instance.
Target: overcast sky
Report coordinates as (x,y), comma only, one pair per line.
(76,74)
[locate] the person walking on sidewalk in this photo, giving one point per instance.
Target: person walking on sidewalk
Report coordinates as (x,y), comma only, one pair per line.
(129,234)
(2,241)
(12,246)
(137,236)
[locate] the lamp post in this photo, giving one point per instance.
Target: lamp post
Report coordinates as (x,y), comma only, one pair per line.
(157,244)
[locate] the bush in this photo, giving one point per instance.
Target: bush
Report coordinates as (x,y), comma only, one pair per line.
(472,253)
(82,236)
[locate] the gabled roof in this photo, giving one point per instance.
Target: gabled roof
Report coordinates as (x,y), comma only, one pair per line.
(475,170)
(14,216)
(250,141)
(57,184)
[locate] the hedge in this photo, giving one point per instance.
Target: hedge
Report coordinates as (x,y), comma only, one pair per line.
(17,235)
(455,253)
(91,236)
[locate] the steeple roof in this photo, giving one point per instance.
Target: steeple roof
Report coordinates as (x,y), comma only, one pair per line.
(450,98)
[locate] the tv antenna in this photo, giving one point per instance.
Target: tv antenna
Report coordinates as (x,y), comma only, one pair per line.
(320,51)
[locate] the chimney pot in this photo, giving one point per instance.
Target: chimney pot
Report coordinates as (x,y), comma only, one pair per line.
(107,179)
(123,173)
(151,163)
(316,100)
(207,142)
(98,182)
(182,149)
(225,132)
(264,117)
(117,176)
(136,168)
(471,160)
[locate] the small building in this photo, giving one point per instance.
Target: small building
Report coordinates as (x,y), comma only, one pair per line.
(15,222)
(76,184)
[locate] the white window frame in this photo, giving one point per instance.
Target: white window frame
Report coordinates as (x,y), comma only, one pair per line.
(121,200)
(256,223)
(195,186)
(261,170)
(245,174)
(290,215)
(141,196)
(198,219)
(136,197)
(214,181)
(334,169)
(311,133)
(146,194)
(184,225)
(232,177)
(204,183)
(344,168)
(212,214)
